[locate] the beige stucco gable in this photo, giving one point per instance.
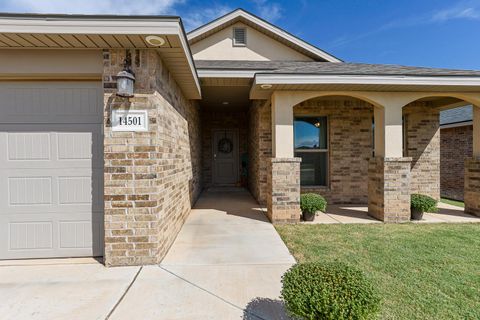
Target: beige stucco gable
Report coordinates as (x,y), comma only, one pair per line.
(260,47)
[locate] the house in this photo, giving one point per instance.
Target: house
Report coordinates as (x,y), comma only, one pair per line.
(456,139)
(85,171)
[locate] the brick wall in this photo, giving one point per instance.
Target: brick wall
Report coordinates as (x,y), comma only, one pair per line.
(423,146)
(259,148)
(456,144)
(151,178)
(350,147)
(283,190)
(212,120)
(472,186)
(389,189)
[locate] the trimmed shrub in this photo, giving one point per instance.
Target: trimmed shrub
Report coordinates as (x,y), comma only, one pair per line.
(328,291)
(423,203)
(312,202)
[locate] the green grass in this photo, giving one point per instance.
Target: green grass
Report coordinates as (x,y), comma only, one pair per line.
(453,202)
(423,271)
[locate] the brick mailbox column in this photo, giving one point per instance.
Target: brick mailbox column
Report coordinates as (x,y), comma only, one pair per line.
(389,189)
(472,186)
(283,190)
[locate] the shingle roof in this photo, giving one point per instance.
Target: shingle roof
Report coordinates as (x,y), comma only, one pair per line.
(457,115)
(329,68)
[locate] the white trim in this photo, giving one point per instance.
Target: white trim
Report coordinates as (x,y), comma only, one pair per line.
(216,73)
(89,26)
(239,13)
(365,80)
(456,125)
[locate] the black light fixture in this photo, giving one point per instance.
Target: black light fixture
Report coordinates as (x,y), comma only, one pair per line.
(126,78)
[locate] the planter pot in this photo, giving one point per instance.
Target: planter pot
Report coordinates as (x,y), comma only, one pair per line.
(307,216)
(416,214)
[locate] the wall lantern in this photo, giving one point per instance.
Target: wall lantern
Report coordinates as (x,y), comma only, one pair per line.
(126,79)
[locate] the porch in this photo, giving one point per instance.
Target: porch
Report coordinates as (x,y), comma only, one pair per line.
(358,214)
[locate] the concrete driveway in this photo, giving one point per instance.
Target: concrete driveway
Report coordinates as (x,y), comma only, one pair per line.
(226,263)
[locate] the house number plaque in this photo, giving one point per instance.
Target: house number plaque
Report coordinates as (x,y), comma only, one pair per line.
(130,120)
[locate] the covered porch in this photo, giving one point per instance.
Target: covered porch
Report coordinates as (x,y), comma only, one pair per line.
(377,137)
(402,157)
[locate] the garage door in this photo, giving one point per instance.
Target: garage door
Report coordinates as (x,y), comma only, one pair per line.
(51,169)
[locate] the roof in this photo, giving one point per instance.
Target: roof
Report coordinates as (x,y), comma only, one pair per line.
(263,26)
(328,68)
(456,115)
(64,31)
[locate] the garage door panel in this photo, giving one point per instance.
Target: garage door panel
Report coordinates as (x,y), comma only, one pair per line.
(56,102)
(51,146)
(51,172)
(55,190)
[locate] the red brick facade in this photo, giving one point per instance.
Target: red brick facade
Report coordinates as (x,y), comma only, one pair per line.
(455,147)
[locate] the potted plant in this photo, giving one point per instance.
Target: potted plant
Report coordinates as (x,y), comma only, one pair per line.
(310,203)
(420,203)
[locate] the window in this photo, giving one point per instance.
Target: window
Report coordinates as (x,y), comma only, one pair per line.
(311,145)
(239,37)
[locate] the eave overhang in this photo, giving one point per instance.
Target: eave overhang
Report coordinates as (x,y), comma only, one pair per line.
(31,31)
(360,83)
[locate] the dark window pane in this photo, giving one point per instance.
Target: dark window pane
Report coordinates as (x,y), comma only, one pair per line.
(310,133)
(313,169)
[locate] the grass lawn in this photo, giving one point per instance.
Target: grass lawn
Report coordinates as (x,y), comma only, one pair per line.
(453,202)
(423,271)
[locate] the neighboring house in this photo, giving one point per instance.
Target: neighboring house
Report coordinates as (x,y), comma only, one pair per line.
(85,172)
(456,136)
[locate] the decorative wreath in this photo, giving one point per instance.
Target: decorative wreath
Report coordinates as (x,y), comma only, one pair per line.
(225,145)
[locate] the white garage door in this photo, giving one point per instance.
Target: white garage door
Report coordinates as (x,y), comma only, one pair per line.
(51,169)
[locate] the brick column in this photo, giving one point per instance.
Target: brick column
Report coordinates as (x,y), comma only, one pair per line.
(389,189)
(472,186)
(423,145)
(283,190)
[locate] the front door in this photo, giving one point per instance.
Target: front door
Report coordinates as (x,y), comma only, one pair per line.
(225,157)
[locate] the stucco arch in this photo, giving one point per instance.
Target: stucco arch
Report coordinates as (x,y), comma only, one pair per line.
(302,96)
(472,98)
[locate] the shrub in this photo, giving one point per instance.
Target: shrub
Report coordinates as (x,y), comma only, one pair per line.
(423,203)
(328,291)
(312,202)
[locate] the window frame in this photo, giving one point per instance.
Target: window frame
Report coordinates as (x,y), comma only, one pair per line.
(326,151)
(234,43)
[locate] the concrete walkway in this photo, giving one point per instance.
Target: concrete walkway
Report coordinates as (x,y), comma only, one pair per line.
(226,263)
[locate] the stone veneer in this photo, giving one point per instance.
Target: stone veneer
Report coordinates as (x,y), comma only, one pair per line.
(212,120)
(472,186)
(389,189)
(151,178)
(283,190)
(456,144)
(423,146)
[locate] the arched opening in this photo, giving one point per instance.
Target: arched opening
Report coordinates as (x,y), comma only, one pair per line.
(440,153)
(334,137)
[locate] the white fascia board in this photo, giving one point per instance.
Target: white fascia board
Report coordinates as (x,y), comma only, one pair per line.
(265,25)
(215,73)
(378,80)
(456,125)
(90,26)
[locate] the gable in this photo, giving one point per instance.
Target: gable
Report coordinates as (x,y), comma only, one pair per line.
(259,47)
(270,42)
